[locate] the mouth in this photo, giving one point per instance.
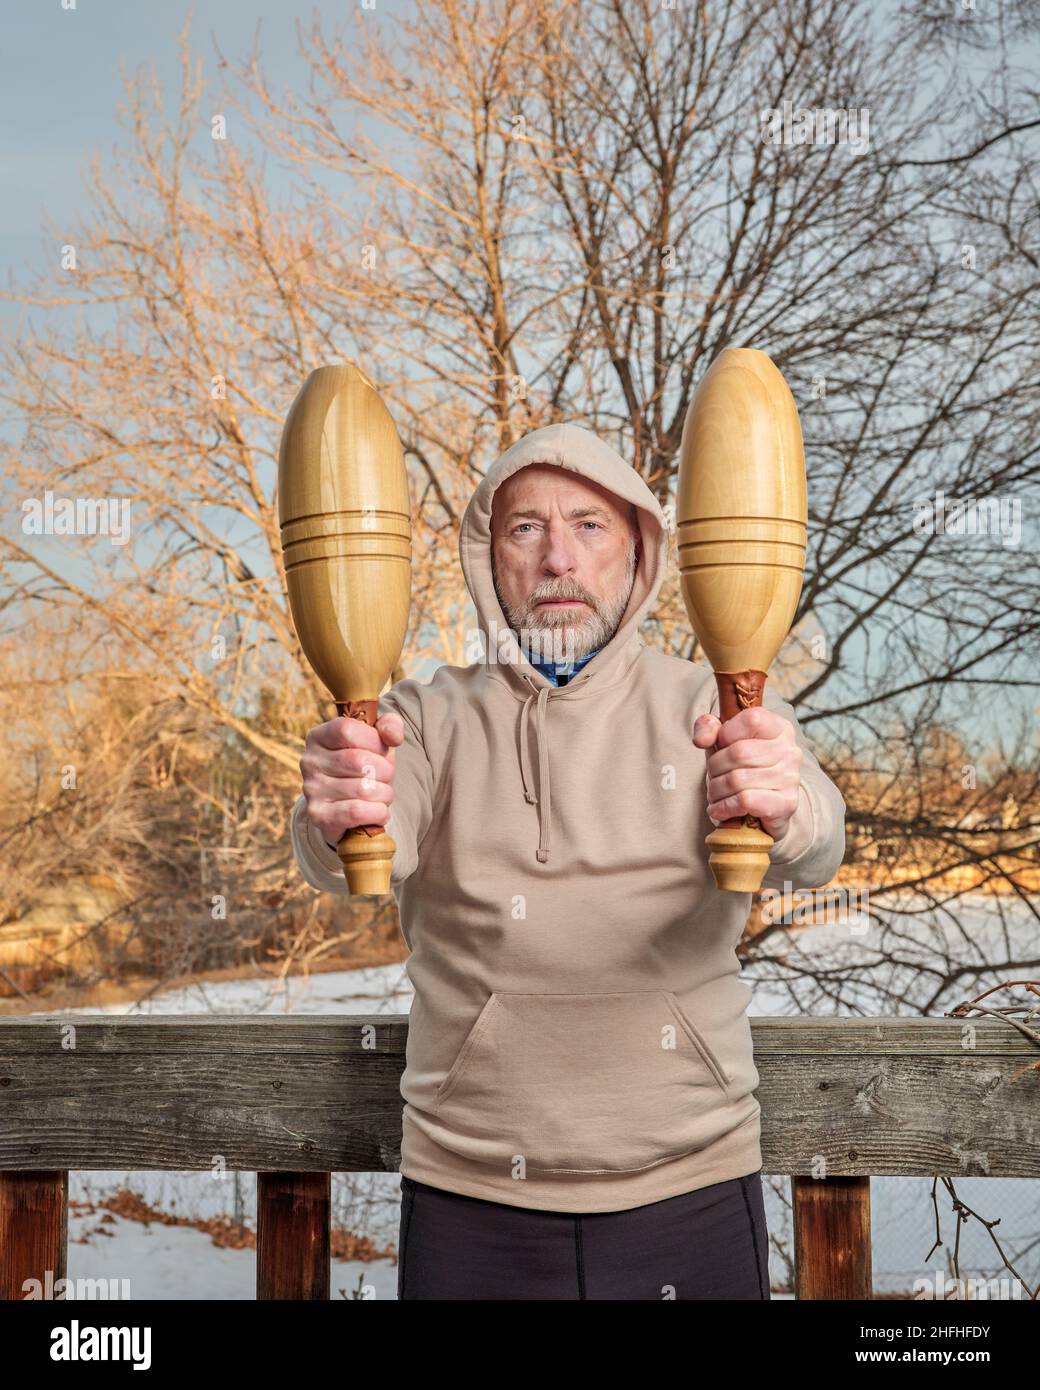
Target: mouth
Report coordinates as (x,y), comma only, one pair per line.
(560,602)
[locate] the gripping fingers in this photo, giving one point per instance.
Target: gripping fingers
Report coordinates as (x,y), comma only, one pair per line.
(333,818)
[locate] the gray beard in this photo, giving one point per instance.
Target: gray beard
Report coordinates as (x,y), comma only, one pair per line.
(543,636)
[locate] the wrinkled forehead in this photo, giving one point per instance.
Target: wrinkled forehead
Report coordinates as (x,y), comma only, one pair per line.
(548,485)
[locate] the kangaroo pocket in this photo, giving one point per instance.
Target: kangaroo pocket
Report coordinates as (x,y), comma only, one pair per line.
(586,1083)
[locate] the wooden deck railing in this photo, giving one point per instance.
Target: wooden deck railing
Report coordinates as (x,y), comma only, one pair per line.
(296,1099)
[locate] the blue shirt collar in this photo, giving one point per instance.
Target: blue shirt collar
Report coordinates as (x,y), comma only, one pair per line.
(553,670)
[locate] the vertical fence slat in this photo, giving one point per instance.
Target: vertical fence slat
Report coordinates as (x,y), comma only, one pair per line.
(832,1250)
(292,1235)
(34,1231)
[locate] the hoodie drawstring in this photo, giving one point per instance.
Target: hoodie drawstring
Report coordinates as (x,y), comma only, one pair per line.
(543,799)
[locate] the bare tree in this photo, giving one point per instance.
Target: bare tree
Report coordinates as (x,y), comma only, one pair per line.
(517,212)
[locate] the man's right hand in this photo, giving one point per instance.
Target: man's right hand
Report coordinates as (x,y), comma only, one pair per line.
(348,773)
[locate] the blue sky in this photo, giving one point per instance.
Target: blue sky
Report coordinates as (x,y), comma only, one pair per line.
(62,84)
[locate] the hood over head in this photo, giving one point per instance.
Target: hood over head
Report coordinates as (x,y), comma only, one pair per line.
(575,448)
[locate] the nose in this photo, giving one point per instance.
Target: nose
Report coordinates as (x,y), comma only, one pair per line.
(559,557)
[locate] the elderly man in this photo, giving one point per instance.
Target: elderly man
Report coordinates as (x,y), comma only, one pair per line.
(579,1118)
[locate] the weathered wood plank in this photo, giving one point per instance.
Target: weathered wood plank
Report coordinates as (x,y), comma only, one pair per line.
(193,1033)
(879,1037)
(322,1094)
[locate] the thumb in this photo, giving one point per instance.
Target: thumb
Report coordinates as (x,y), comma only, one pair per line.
(390,728)
(706,730)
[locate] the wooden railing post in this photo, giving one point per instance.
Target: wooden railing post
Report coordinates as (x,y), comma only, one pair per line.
(292,1235)
(34,1232)
(832,1250)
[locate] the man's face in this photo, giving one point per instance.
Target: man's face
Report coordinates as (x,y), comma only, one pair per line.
(564,554)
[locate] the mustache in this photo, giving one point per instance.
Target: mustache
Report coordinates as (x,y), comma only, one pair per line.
(563,588)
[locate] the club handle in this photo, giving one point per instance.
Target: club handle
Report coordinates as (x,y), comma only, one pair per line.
(739,847)
(366,851)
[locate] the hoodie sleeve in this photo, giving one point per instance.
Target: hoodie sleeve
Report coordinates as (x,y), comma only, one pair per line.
(810,851)
(410,811)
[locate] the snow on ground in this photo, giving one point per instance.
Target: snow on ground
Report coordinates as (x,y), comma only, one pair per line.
(174,1262)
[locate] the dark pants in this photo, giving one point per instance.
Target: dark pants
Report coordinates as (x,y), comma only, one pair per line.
(706,1244)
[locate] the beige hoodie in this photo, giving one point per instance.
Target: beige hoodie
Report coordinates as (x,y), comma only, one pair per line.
(578,1039)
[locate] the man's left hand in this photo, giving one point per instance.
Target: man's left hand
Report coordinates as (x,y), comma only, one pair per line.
(755,770)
